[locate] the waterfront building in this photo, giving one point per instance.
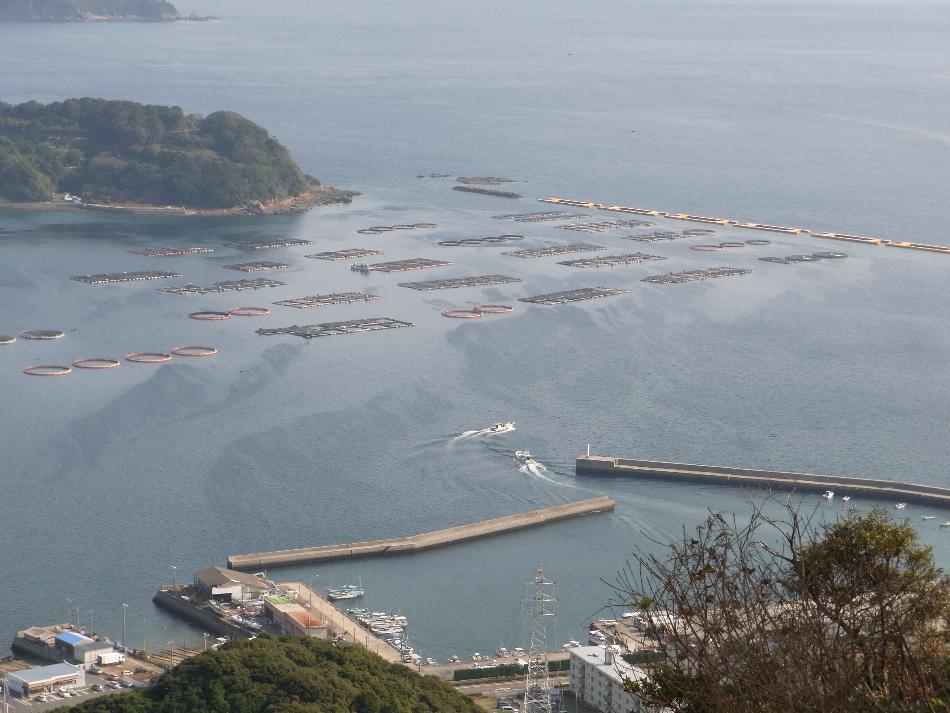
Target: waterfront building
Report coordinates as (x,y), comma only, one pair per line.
(597,679)
(291,618)
(45,679)
(60,643)
(229,585)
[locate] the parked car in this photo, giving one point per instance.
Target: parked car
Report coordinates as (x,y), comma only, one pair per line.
(98,687)
(42,698)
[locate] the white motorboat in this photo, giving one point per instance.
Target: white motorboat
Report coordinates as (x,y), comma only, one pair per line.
(524,458)
(349,591)
(845,498)
(829,495)
(945,524)
(502,427)
(927,517)
(901,506)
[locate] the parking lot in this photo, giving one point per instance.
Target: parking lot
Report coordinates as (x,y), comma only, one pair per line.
(84,693)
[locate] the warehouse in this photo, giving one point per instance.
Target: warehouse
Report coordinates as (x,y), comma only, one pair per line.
(79,649)
(227,585)
(45,679)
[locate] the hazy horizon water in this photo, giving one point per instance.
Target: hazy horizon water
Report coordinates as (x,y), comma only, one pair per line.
(829,116)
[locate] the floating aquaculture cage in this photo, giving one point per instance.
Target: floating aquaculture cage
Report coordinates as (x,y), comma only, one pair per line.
(117,277)
(541,217)
(6,339)
(585,293)
(148,357)
(461,313)
(349,254)
(659,236)
(612,260)
(194,351)
(47,370)
(267,243)
(709,273)
(487,192)
(418,263)
(171,252)
(337,298)
(379,229)
(210,316)
(260,266)
(603,225)
(96,363)
(554,250)
(329,329)
(452,283)
(475,242)
(42,334)
(493,309)
(249,311)
(226,286)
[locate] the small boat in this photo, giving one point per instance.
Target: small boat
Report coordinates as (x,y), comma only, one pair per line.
(927,517)
(349,591)
(524,458)
(454,659)
(431,661)
(476,657)
(502,427)
(845,498)
(502,651)
(945,524)
(829,495)
(901,506)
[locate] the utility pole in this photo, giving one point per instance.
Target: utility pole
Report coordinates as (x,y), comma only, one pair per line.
(539,602)
(310,601)
(124,608)
(175,579)
(205,635)
(91,612)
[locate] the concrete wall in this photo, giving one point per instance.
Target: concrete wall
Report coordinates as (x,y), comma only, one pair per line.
(198,615)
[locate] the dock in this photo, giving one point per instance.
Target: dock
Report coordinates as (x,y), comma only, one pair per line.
(877,488)
(423,541)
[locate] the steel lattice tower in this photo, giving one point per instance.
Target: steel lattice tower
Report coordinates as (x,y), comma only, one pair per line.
(539,603)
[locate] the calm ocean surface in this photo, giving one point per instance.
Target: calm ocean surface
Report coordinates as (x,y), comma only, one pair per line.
(826,115)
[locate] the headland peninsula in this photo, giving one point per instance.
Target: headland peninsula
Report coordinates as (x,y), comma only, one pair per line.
(91,11)
(120,155)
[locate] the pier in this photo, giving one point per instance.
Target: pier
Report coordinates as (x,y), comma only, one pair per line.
(423,541)
(877,488)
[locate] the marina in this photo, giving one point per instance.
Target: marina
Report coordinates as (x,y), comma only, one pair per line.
(452,283)
(171,252)
(336,298)
(117,277)
(585,293)
(554,250)
(417,263)
(330,329)
(604,225)
(945,249)
(267,243)
(256,283)
(541,217)
(423,541)
(487,191)
(606,466)
(348,254)
(710,273)
(260,266)
(612,260)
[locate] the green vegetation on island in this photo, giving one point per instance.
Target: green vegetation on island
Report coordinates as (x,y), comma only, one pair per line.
(289,675)
(83,10)
(124,153)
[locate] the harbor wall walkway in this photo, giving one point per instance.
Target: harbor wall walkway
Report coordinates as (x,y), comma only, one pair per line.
(423,541)
(878,488)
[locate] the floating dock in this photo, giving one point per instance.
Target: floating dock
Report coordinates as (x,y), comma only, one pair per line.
(612,260)
(226,286)
(605,466)
(585,293)
(117,277)
(452,283)
(259,266)
(487,192)
(423,541)
(945,249)
(348,254)
(416,263)
(710,273)
(542,217)
(554,250)
(601,226)
(171,252)
(330,329)
(337,298)
(266,243)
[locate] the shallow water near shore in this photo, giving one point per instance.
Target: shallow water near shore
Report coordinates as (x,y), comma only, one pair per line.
(111,477)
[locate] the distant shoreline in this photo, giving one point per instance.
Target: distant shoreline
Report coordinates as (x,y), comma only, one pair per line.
(324,195)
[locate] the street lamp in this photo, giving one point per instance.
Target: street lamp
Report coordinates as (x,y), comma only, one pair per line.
(205,634)
(171,654)
(310,601)
(124,609)
(174,579)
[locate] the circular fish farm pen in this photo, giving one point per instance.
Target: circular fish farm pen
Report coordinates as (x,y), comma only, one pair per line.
(5,339)
(732,245)
(210,316)
(475,242)
(831,255)
(493,309)
(758,241)
(148,357)
(194,351)
(96,363)
(47,370)
(249,311)
(707,248)
(802,258)
(461,313)
(42,334)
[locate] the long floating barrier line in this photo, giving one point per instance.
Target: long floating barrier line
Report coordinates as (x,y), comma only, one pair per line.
(751,226)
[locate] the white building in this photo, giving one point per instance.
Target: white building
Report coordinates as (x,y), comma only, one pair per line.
(597,679)
(45,679)
(229,585)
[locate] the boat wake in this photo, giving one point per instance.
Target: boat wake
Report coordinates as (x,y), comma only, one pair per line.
(493,430)
(538,471)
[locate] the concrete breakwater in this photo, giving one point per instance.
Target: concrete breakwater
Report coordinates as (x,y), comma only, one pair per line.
(877,488)
(423,541)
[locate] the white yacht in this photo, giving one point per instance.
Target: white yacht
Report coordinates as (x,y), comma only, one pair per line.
(829,495)
(504,427)
(901,506)
(524,458)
